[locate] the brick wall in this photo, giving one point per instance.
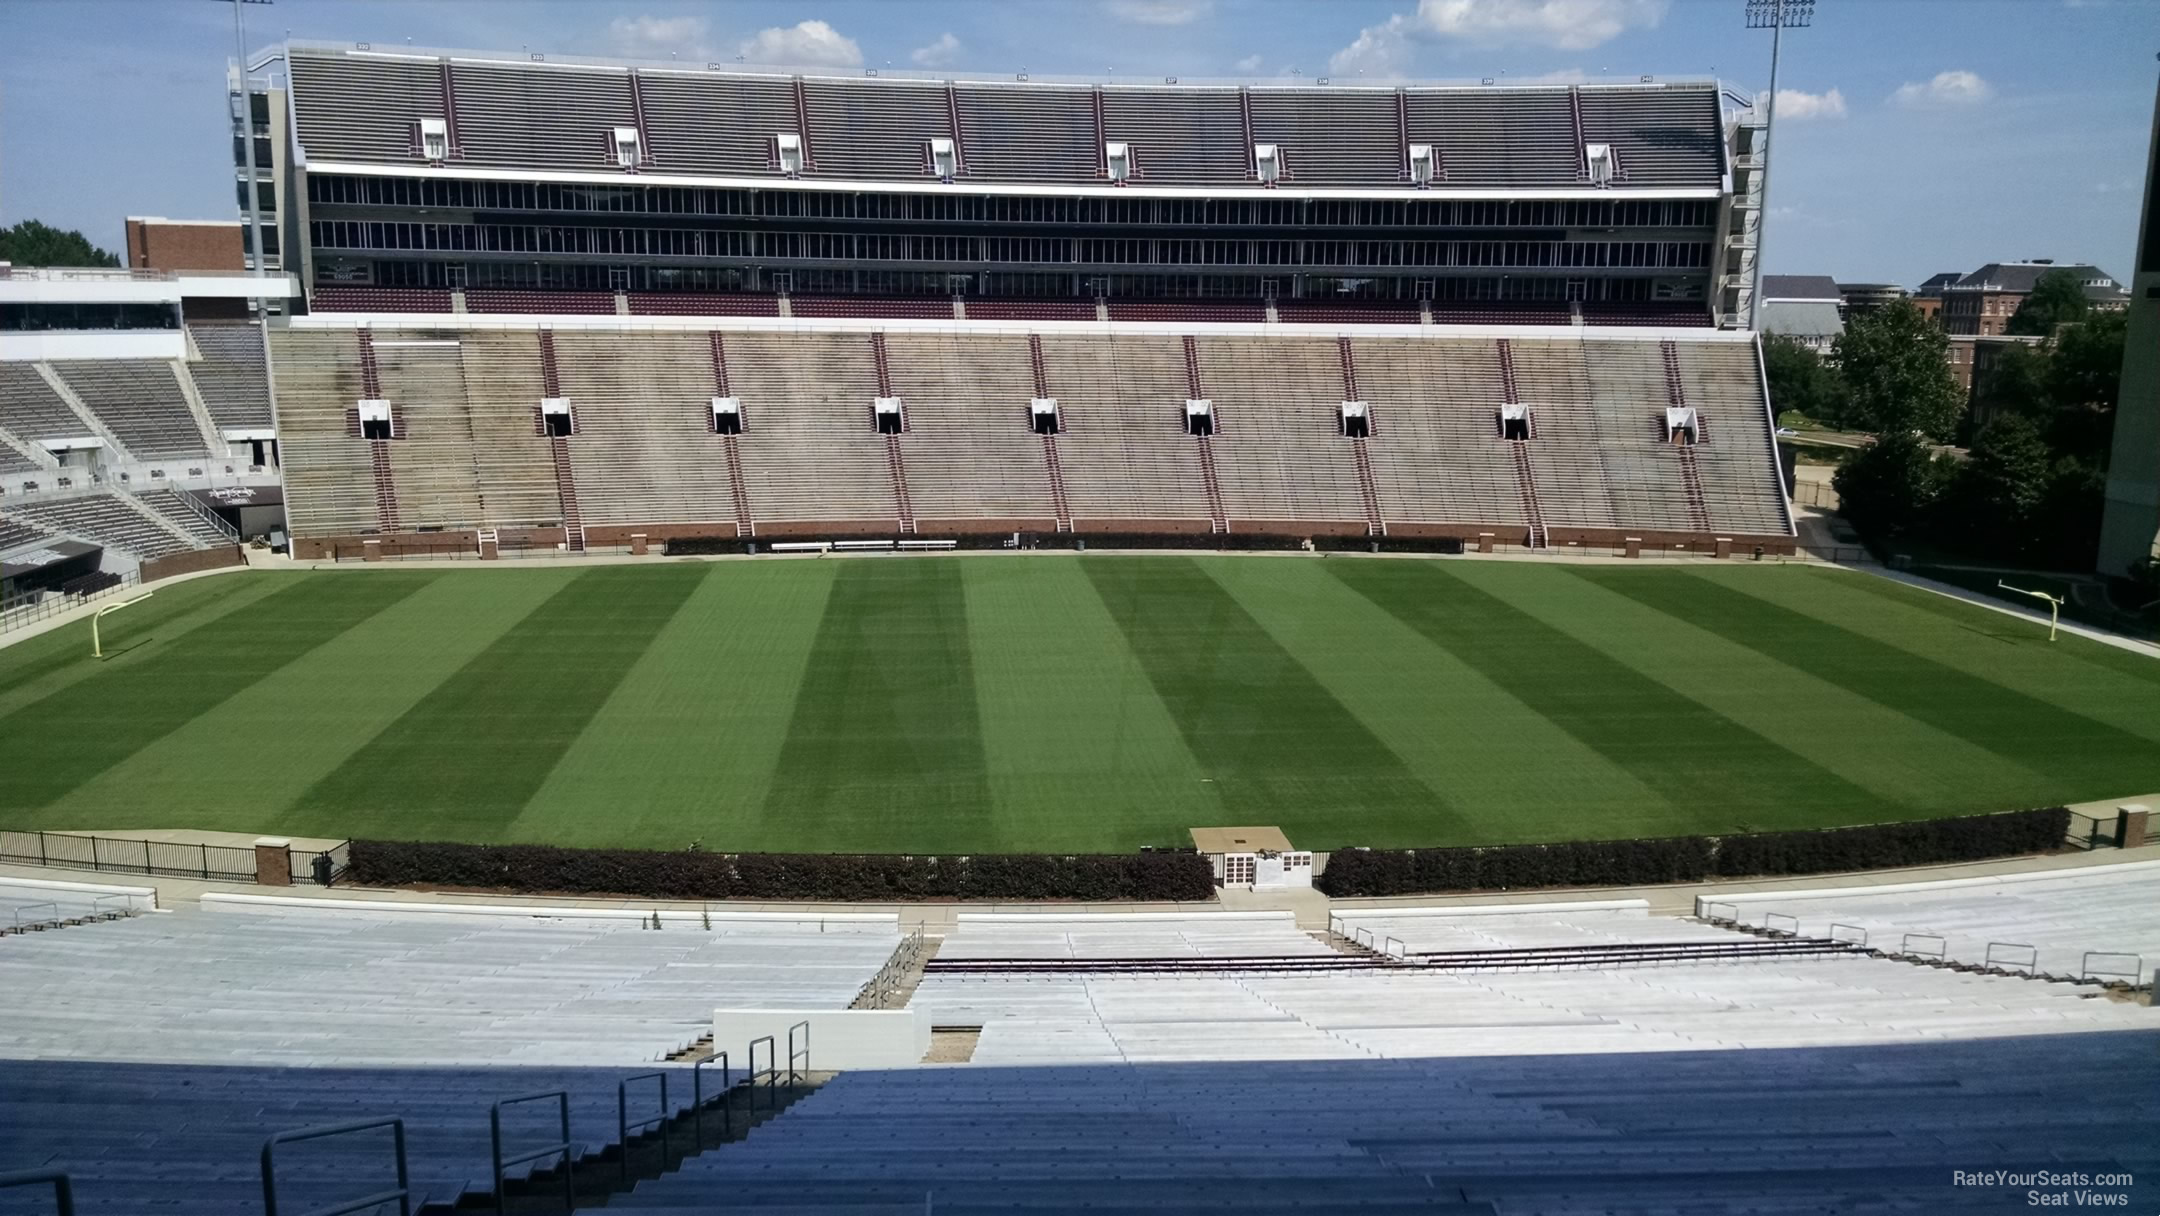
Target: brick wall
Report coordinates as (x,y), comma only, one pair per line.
(165,245)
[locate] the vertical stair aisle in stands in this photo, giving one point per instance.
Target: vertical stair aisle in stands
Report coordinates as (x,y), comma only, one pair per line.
(1525,483)
(1367,488)
(386,504)
(1690,476)
(559,449)
(1050,451)
(893,456)
(745,524)
(1217,520)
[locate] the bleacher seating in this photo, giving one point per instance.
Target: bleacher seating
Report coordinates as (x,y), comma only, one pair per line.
(929,308)
(991,308)
(1235,311)
(1279,451)
(345,297)
(1668,315)
(587,303)
(873,129)
(1124,449)
(102,519)
(1347,312)
(1466,312)
(354,105)
(398,989)
(140,402)
(2059,915)
(644,452)
(231,376)
(711,304)
(1436,451)
(467,453)
(809,448)
(183,515)
(1858,1128)
(970,449)
(31,410)
(15,535)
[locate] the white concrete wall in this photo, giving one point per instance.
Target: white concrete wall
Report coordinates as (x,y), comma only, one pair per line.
(839,1038)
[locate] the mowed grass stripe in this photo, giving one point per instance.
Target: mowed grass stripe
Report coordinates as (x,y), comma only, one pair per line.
(1282,750)
(462,762)
(40,666)
(884,750)
(1685,750)
(2074,673)
(1458,732)
(1650,620)
(1082,756)
(59,742)
(2086,757)
(686,746)
(265,745)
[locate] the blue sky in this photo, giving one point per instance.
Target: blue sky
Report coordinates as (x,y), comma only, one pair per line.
(1920,135)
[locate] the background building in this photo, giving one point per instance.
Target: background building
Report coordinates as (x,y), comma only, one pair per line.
(1807,308)
(1981,303)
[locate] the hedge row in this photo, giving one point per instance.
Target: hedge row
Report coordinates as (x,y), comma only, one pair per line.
(1601,863)
(819,876)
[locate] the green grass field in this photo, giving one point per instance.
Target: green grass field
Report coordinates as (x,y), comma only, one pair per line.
(1058,703)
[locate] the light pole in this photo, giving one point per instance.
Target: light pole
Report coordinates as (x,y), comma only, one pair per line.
(97,644)
(2054,605)
(1777,16)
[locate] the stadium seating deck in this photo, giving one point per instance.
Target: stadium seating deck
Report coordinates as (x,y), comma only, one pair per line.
(1436,448)
(231,375)
(1279,450)
(140,401)
(644,450)
(31,410)
(809,447)
(1124,448)
(102,519)
(971,453)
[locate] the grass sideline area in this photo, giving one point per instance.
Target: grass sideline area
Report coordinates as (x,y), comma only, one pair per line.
(1056,703)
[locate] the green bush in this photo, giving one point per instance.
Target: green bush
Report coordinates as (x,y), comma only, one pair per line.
(1627,863)
(810,876)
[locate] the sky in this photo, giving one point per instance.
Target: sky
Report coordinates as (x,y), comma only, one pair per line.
(1914,136)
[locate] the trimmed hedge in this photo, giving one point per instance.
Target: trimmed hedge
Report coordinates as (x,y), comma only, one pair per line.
(789,876)
(1628,863)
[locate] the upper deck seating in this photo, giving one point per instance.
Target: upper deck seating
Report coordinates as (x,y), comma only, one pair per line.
(231,376)
(140,402)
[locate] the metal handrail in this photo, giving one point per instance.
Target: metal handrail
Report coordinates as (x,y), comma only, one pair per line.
(1905,945)
(624,1127)
(794,1077)
(2087,971)
(771,1073)
(697,1097)
(402,1193)
(1709,911)
(1858,941)
(1770,919)
(1400,950)
(63,1190)
(562,1101)
(2032,956)
(127,904)
(43,903)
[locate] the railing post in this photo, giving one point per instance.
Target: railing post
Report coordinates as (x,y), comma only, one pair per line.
(63,1190)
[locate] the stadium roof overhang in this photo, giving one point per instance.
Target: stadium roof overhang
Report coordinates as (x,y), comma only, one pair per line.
(1038,189)
(50,553)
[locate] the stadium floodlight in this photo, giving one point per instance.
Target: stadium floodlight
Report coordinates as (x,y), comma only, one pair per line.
(97,642)
(2054,604)
(1777,16)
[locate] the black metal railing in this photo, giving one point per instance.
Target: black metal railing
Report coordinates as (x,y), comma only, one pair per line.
(697,1097)
(624,1127)
(559,1148)
(63,1190)
(402,1192)
(157,858)
(770,1075)
(795,1075)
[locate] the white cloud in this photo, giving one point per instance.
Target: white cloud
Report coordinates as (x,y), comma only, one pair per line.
(1567,25)
(939,53)
(655,37)
(1800,107)
(1957,88)
(1248,65)
(809,44)
(1159,12)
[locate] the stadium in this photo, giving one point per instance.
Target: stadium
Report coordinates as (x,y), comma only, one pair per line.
(924,642)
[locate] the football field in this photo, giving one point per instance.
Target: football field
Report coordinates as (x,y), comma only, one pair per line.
(1058,703)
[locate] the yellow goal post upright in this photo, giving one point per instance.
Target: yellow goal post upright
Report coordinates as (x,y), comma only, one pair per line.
(97,643)
(2054,604)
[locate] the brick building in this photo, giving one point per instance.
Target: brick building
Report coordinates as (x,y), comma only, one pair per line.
(157,243)
(1981,304)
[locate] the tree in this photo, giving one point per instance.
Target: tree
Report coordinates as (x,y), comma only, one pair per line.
(2000,489)
(1800,382)
(1896,369)
(2084,381)
(31,243)
(1889,490)
(2017,382)
(2057,298)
